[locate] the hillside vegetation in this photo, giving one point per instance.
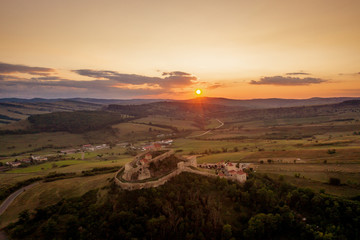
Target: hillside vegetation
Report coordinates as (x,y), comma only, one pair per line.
(75,122)
(195,207)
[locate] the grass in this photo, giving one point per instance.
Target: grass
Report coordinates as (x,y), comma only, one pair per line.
(77,166)
(134,131)
(12,144)
(45,166)
(317,186)
(45,194)
(181,124)
(214,158)
(189,145)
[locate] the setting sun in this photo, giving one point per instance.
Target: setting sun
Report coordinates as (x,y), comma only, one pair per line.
(198,91)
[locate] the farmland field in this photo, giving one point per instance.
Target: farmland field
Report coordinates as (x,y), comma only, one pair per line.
(45,194)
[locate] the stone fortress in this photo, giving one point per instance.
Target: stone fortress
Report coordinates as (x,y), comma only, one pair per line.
(147,170)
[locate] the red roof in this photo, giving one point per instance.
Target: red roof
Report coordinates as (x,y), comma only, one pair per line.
(144,160)
(221,174)
(240,172)
(230,164)
(232,171)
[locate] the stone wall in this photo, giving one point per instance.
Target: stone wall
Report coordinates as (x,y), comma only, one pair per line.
(181,167)
(149,184)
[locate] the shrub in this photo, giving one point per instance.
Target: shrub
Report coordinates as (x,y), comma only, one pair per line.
(334,181)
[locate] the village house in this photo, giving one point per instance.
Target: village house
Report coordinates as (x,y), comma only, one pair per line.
(153,147)
(25,160)
(69,151)
(228,169)
(39,158)
(13,164)
(102,146)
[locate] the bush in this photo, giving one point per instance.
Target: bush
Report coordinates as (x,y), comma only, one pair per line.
(334,181)
(331,151)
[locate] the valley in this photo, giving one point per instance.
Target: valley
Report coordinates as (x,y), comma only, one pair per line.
(304,146)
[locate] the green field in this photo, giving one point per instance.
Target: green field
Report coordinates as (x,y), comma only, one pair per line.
(305,151)
(136,131)
(45,194)
(181,124)
(17,144)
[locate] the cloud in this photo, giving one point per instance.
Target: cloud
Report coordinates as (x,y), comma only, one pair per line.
(298,73)
(214,86)
(12,68)
(169,79)
(176,73)
(102,84)
(349,74)
(287,81)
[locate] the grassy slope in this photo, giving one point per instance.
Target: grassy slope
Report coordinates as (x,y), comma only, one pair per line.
(28,142)
(162,120)
(49,193)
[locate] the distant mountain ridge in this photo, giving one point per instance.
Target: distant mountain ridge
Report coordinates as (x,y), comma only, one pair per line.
(273,102)
(248,103)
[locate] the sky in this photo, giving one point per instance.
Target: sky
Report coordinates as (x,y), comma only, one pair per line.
(167,49)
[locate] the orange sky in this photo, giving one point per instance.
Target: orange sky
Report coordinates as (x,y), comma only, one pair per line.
(232,48)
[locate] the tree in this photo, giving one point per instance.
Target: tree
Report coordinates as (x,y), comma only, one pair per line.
(331,151)
(226,231)
(334,181)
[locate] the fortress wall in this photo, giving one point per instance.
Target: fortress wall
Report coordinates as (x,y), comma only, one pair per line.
(162,156)
(182,167)
(156,183)
(163,180)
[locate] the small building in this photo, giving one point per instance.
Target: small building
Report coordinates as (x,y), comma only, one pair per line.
(39,158)
(88,147)
(25,160)
(148,156)
(144,161)
(13,164)
(240,176)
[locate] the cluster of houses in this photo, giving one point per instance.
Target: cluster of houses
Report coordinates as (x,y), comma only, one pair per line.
(155,146)
(91,148)
(85,148)
(39,159)
(228,169)
(30,160)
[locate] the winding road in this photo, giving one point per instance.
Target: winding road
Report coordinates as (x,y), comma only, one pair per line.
(7,203)
(202,134)
(12,197)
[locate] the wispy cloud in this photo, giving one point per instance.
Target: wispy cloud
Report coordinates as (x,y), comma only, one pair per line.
(13,68)
(214,86)
(169,79)
(298,73)
(287,81)
(46,82)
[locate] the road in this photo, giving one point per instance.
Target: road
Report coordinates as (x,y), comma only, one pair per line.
(12,197)
(200,135)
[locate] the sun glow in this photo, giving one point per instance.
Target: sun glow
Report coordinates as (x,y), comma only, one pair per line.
(198,92)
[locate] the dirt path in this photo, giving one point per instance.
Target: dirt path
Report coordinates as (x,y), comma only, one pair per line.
(202,134)
(12,197)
